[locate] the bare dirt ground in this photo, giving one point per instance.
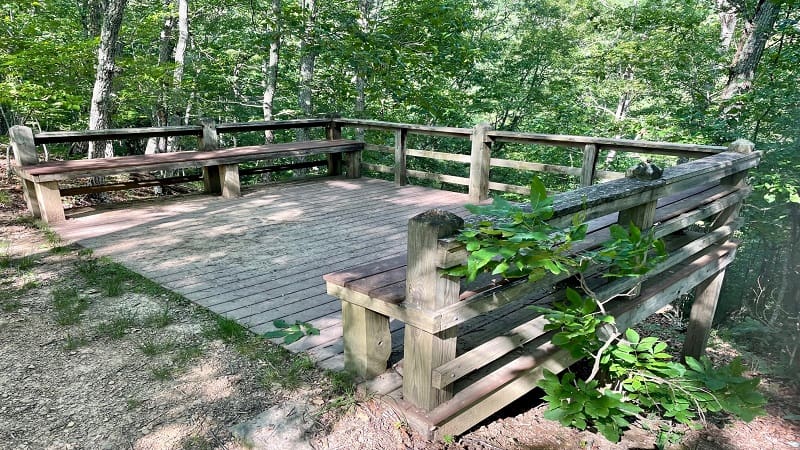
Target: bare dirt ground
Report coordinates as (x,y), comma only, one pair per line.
(94,357)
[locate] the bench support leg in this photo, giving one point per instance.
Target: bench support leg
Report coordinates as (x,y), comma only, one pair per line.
(49,199)
(29,193)
(706,295)
(229,180)
(211,180)
(354,164)
(367,341)
(334,164)
(423,352)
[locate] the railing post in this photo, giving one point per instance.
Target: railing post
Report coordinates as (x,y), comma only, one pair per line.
(706,294)
(24,149)
(332,132)
(400,136)
(480,160)
(209,140)
(589,167)
(642,215)
(428,289)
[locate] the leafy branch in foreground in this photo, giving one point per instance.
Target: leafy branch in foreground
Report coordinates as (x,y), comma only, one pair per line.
(291,332)
(514,242)
(631,374)
(637,375)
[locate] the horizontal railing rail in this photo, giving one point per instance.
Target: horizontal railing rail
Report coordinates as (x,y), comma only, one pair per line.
(480,160)
(53,137)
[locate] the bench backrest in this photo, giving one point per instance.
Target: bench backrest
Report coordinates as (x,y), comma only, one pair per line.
(23,145)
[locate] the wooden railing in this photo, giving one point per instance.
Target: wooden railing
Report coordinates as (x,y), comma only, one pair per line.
(471,349)
(480,160)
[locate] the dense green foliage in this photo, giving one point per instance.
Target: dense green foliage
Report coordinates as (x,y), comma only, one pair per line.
(631,375)
(646,69)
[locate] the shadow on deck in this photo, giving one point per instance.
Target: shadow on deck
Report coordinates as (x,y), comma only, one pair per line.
(261,257)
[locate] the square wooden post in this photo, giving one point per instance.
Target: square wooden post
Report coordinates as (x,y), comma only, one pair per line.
(229,180)
(589,165)
(209,140)
(367,340)
(480,162)
(24,149)
(400,177)
(641,215)
(332,132)
(49,197)
(428,289)
(706,294)
(354,164)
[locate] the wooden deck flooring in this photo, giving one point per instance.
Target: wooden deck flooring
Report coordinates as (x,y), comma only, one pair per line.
(261,257)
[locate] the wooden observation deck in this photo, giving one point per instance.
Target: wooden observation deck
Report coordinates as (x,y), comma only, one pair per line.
(455,353)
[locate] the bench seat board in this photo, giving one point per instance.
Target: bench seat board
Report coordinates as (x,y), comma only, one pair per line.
(65,170)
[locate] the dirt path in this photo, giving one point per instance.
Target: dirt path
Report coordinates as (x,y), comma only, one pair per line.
(93,356)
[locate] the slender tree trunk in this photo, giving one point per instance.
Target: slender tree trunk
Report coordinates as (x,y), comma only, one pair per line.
(179,57)
(165,49)
(100,110)
(269,69)
(791,297)
(757,31)
(623,105)
(91,15)
(727,21)
(308,57)
(365,12)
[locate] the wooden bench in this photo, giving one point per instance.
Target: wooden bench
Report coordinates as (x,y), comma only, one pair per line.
(220,167)
(469,349)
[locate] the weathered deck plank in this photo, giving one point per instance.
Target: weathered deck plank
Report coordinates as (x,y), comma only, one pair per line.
(261,257)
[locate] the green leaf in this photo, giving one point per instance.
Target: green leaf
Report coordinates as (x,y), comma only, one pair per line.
(619,233)
(632,336)
(274,334)
(280,323)
(538,191)
(694,365)
(293,337)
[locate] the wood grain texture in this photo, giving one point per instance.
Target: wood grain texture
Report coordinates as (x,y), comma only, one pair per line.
(242,255)
(480,163)
(428,290)
(49,198)
(63,170)
(400,152)
(24,148)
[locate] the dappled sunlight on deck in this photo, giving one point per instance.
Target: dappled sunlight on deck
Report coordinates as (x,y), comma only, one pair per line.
(261,257)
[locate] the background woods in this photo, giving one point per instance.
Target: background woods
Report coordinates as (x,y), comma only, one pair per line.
(689,71)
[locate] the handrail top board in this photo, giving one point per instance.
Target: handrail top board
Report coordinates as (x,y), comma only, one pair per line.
(53,137)
(634,145)
(631,145)
(62,170)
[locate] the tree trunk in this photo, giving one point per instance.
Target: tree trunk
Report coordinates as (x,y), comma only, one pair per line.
(757,31)
(365,20)
(100,110)
(91,14)
(269,69)
(727,23)
(179,56)
(791,294)
(161,116)
(308,57)
(623,105)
